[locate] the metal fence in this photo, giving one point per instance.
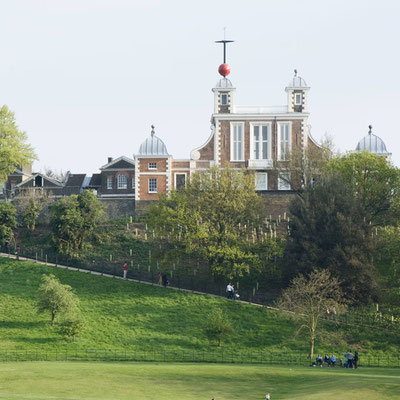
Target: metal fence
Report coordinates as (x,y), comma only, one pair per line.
(184,356)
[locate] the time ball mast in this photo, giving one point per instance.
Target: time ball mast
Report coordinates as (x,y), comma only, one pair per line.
(224,69)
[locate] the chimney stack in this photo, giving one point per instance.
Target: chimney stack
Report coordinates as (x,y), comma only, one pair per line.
(109,159)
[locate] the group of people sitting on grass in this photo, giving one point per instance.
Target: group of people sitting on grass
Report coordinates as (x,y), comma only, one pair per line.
(350,360)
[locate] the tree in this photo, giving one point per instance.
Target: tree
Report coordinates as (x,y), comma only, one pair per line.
(303,166)
(218,326)
(56,298)
(71,327)
(375,180)
(8,221)
(310,297)
(328,230)
(212,219)
(14,151)
(74,220)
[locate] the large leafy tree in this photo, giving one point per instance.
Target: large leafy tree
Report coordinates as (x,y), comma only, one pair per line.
(328,230)
(309,297)
(74,220)
(212,218)
(14,150)
(376,183)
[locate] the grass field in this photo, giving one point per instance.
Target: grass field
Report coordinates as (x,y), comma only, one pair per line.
(122,315)
(123,381)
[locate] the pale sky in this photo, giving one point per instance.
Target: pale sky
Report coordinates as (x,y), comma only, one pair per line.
(87,78)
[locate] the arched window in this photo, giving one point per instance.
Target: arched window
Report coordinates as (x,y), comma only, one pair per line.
(122,182)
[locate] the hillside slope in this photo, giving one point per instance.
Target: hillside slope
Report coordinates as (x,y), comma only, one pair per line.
(122,315)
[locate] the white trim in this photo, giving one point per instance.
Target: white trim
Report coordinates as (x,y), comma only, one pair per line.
(232,126)
(179,173)
(261,123)
(279,124)
(181,168)
(268,117)
(154,173)
(117,169)
(57,183)
(152,156)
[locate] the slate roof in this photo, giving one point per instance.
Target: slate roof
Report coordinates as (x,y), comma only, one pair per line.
(75,180)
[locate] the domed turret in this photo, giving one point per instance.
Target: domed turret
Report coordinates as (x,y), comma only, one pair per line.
(153,146)
(372,143)
(297,91)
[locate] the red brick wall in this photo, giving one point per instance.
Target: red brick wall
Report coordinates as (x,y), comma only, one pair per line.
(144,164)
(143,186)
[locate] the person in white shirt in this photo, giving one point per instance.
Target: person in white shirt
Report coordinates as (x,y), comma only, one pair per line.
(229,289)
(267,397)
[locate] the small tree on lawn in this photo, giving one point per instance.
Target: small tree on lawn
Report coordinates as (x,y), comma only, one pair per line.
(56,298)
(310,297)
(71,327)
(218,327)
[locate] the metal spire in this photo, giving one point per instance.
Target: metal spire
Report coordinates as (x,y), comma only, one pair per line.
(224,41)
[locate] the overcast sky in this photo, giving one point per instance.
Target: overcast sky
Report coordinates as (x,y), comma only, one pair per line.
(87,78)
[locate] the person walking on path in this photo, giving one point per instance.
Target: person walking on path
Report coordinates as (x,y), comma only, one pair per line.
(125,269)
(267,397)
(229,289)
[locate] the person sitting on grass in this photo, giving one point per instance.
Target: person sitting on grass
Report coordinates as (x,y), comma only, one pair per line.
(327,360)
(318,360)
(333,360)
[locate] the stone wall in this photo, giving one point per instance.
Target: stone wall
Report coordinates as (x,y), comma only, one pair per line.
(276,202)
(117,208)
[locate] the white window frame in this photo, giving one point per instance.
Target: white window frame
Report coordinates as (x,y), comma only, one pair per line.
(296,96)
(180,173)
(265,174)
(283,183)
(289,147)
(252,142)
(237,157)
(109,182)
(122,185)
(224,96)
(152,190)
(152,165)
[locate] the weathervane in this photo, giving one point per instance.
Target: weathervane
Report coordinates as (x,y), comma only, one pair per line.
(370,129)
(224,69)
(152,130)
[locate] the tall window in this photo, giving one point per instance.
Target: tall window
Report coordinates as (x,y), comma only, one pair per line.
(284,181)
(261,181)
(122,182)
(180,181)
(284,141)
(298,99)
(133,183)
(237,142)
(153,185)
(261,142)
(109,182)
(224,99)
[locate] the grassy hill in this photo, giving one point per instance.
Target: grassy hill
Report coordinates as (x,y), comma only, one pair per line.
(122,315)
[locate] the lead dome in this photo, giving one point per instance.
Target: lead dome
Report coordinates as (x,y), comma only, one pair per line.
(297,81)
(153,146)
(372,143)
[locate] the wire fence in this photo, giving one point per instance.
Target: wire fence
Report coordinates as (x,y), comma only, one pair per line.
(184,356)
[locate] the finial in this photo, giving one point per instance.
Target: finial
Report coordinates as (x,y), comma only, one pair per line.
(295,72)
(152,130)
(370,129)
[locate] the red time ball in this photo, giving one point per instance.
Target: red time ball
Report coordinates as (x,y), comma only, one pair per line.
(224,69)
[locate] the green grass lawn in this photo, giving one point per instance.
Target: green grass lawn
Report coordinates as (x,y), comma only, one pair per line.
(149,381)
(122,315)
